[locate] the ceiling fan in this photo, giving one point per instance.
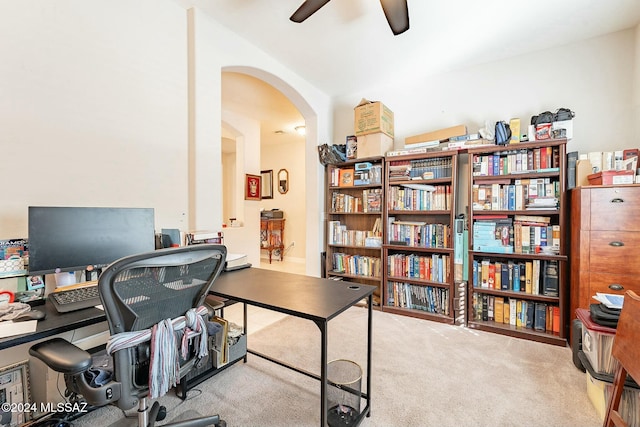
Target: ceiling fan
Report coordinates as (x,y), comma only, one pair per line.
(396,12)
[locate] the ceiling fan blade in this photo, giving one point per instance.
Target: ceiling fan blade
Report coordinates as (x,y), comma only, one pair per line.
(306,9)
(397,14)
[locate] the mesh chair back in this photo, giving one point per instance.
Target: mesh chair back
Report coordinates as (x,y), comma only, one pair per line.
(141,290)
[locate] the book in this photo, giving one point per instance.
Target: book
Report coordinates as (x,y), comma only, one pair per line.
(529,313)
(506,312)
(499,309)
(540,313)
(346,177)
(513,312)
(550,283)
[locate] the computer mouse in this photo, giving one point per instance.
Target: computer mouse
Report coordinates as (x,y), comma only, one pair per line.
(30,315)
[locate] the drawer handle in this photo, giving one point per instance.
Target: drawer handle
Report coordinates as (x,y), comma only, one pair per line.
(616,287)
(617,200)
(616,244)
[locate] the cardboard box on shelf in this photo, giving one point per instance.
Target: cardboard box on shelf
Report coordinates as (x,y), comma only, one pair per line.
(612,177)
(437,135)
(374,144)
(372,117)
(583,170)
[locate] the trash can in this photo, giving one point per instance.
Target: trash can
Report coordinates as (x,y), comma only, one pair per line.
(343,392)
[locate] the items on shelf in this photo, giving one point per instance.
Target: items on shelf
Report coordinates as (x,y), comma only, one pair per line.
(517,261)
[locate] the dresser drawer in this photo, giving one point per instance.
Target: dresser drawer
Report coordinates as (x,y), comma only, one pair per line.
(608,284)
(615,208)
(615,252)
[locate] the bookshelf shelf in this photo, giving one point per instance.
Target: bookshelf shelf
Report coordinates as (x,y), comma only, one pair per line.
(517,332)
(359,247)
(518,256)
(416,281)
(354,201)
(420,314)
(418,249)
(420,212)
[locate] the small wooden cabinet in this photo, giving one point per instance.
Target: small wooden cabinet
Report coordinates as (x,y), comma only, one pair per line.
(605,242)
(272,236)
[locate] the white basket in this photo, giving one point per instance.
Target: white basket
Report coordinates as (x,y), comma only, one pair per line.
(13,265)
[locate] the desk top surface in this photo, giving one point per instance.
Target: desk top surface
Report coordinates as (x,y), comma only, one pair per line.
(303,296)
(55,323)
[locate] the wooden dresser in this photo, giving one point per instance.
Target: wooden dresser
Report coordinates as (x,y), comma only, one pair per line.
(604,248)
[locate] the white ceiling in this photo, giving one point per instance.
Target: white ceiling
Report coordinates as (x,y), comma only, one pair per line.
(347,45)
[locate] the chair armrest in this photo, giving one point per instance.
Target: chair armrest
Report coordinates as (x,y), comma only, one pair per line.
(62,356)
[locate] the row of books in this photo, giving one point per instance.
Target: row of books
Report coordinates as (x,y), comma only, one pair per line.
(419,234)
(435,267)
(418,199)
(540,193)
(522,234)
(420,169)
(338,234)
(535,277)
(357,265)
(350,177)
(370,201)
(424,298)
(517,161)
(519,313)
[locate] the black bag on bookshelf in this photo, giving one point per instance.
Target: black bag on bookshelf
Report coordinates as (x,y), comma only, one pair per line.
(604,316)
(563,114)
(503,133)
(332,154)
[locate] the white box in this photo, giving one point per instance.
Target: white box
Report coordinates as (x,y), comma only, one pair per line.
(374,145)
(564,124)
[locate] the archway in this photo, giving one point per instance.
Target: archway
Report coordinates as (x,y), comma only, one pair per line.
(312,175)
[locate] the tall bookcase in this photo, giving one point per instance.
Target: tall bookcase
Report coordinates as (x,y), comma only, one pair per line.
(354,208)
(517,244)
(419,216)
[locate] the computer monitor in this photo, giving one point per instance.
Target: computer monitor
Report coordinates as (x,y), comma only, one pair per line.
(85,238)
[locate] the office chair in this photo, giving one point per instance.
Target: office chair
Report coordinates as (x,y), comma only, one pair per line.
(627,352)
(147,294)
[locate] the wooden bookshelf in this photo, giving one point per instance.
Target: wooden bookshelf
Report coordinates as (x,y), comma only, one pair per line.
(353,222)
(517,221)
(418,241)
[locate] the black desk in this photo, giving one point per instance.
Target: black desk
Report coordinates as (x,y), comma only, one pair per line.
(318,300)
(56,323)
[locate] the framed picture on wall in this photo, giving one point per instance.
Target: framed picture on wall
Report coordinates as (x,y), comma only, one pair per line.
(267,184)
(252,187)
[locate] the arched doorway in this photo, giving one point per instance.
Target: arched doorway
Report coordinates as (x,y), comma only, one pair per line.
(306,177)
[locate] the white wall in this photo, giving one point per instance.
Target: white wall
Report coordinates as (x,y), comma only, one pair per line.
(287,156)
(118,103)
(92,113)
(594,78)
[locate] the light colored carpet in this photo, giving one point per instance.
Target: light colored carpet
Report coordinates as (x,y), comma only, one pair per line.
(424,374)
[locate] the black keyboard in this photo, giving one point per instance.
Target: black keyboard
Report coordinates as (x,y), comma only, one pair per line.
(66,300)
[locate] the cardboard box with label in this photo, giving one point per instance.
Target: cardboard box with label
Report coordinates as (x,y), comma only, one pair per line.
(372,117)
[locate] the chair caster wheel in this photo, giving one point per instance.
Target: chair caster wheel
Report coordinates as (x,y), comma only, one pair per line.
(221,423)
(162,413)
